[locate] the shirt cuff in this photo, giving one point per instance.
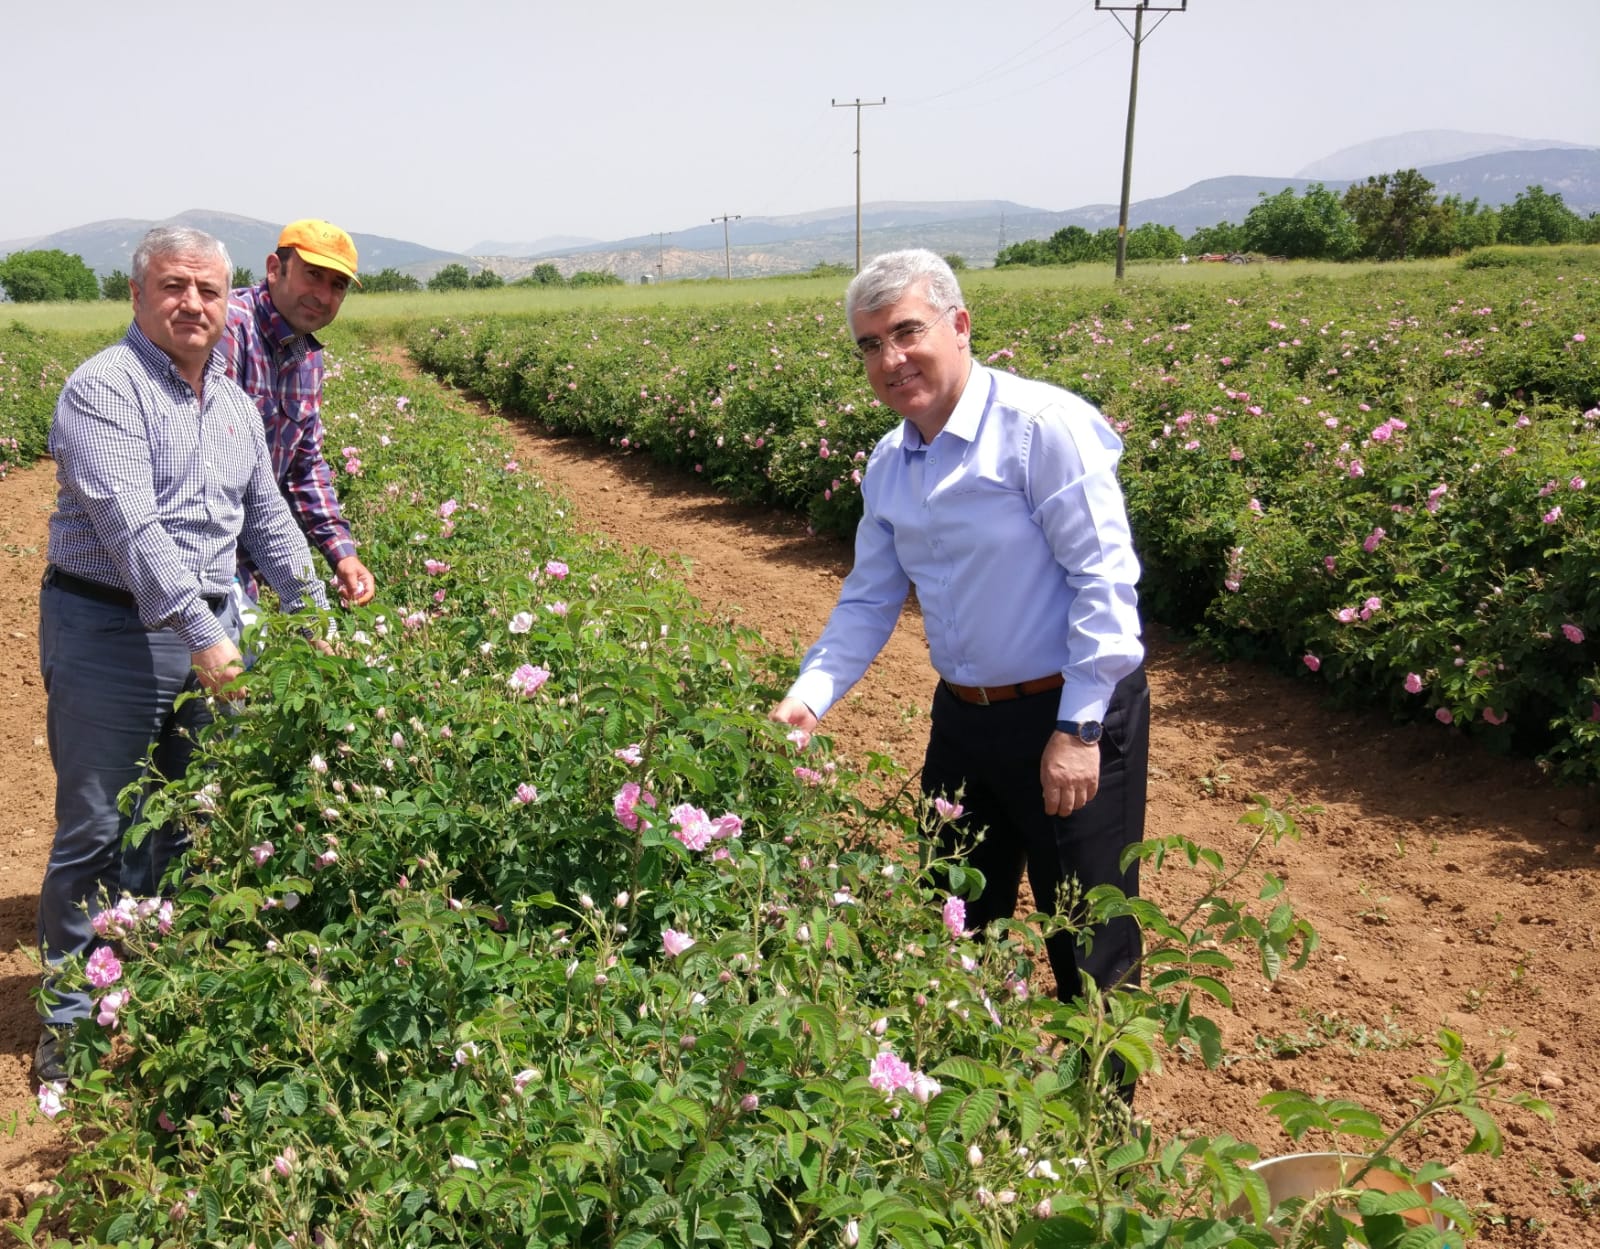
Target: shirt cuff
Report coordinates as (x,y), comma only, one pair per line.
(337,548)
(199,628)
(1083,704)
(815,689)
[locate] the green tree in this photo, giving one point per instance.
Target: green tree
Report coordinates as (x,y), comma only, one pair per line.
(242,277)
(487,279)
(1220,239)
(34,277)
(114,285)
(1538,216)
(453,277)
(1313,226)
(956,261)
(1154,242)
(1071,244)
(1469,224)
(385,280)
(1394,214)
(594,277)
(1023,252)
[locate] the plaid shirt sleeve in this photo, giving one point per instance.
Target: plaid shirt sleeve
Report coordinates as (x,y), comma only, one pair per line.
(308,483)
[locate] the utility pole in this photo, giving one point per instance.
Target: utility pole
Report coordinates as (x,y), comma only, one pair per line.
(858,104)
(727,255)
(661,251)
(1139,9)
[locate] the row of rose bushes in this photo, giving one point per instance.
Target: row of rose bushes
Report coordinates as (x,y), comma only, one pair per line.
(514,922)
(33,364)
(1382,479)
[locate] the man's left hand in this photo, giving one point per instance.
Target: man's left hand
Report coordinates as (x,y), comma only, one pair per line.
(1069,773)
(356,584)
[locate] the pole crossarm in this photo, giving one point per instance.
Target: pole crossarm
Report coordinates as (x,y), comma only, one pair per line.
(858,104)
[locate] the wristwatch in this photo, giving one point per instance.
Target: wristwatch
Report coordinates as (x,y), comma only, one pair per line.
(1088,731)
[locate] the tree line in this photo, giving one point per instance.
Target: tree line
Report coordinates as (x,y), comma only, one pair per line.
(52,275)
(1388,217)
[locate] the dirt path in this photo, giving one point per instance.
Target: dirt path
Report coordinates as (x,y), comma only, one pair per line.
(1450,888)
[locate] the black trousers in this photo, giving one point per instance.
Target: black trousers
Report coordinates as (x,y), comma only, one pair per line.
(992,754)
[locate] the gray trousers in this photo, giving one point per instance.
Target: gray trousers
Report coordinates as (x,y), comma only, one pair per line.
(111,686)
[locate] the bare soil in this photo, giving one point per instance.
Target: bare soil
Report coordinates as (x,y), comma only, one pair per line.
(1450,887)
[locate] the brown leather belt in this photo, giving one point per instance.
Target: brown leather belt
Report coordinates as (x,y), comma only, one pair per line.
(983,695)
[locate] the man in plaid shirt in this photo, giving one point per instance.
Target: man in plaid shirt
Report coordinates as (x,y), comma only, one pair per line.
(273,353)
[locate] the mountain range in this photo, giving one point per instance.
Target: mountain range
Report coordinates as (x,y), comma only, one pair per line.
(1490,168)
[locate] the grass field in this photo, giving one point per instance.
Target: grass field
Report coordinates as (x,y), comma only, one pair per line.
(108,315)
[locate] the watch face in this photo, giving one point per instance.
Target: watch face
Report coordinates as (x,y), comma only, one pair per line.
(1089,732)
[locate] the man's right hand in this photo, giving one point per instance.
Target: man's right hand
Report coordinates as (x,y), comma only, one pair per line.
(218,665)
(793,711)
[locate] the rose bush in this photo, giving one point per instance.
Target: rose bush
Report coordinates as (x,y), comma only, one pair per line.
(466,956)
(1419,437)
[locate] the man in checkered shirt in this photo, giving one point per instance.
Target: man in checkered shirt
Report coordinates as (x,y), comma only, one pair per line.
(273,353)
(163,476)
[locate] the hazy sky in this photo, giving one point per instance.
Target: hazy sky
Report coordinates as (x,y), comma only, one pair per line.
(448,123)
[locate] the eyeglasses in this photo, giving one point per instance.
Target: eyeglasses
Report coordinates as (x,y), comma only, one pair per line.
(904,337)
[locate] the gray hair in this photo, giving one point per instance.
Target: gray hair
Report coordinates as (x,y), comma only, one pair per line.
(888,277)
(178,241)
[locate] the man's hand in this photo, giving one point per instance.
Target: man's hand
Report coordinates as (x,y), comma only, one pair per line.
(217,665)
(793,711)
(1069,773)
(356,584)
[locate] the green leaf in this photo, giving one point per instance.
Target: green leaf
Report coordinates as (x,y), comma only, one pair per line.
(293,1097)
(964,1070)
(977,1111)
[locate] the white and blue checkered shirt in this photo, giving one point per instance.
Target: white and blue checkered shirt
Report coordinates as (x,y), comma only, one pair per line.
(158,488)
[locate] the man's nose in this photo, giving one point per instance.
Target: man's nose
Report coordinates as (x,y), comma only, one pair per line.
(191,298)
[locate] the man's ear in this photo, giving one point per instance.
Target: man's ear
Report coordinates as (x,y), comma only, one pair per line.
(962,324)
(274,266)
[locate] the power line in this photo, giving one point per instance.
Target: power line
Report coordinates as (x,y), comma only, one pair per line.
(858,104)
(661,251)
(984,77)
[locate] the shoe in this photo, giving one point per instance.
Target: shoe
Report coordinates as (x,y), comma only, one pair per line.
(50,1058)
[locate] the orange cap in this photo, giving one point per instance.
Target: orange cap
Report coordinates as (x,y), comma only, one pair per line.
(321,243)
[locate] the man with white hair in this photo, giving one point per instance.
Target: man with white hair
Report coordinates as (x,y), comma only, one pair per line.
(997,497)
(163,473)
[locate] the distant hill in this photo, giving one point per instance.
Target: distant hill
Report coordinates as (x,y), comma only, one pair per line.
(553,243)
(1415,149)
(974,229)
(108,245)
(801,227)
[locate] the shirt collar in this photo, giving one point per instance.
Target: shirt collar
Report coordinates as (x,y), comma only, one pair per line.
(157,360)
(965,417)
(274,327)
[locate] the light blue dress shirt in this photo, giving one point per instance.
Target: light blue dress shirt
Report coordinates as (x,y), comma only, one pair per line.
(1012,527)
